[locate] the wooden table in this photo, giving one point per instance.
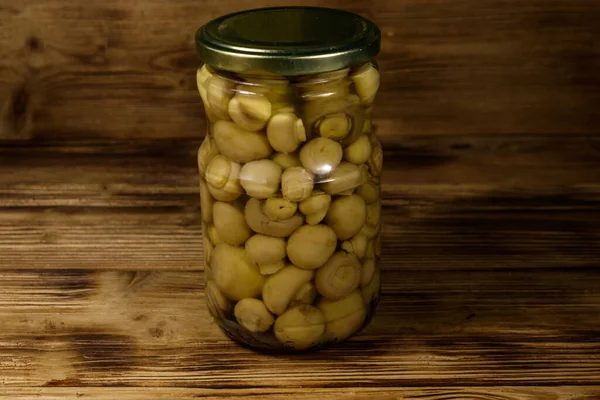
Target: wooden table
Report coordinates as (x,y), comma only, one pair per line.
(491,285)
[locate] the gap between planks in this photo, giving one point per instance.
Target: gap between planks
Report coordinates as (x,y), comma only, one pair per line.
(347,393)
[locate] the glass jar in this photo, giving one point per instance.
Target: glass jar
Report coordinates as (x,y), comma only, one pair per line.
(290,173)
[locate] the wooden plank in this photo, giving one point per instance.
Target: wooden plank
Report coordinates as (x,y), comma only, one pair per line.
(465,329)
(125,69)
(116,173)
(463,202)
(351,393)
(103,238)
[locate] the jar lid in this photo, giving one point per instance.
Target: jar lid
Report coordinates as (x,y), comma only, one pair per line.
(294,40)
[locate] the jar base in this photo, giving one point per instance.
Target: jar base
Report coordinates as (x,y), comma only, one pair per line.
(267,343)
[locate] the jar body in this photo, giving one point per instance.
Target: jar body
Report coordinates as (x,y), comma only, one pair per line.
(290,191)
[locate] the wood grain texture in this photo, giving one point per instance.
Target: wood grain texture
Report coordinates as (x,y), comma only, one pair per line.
(490,290)
(491,242)
(465,329)
(406,393)
(125,68)
(466,202)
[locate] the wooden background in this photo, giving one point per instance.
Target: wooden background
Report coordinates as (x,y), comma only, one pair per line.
(125,68)
(489,113)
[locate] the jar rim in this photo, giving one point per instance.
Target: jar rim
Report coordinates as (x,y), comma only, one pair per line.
(289,40)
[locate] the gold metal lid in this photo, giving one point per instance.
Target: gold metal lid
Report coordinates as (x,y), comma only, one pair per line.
(288,40)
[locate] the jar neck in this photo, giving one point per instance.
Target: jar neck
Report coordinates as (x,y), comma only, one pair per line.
(266,78)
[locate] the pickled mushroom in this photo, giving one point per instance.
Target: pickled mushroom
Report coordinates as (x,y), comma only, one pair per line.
(317,112)
(222,177)
(296,184)
(315,208)
(310,246)
(347,176)
(261,223)
(343,317)
(280,288)
(230,223)
(239,144)
(235,275)
(321,155)
(219,92)
(287,160)
(253,315)
(358,152)
(206,152)
(285,132)
(250,111)
(278,209)
(300,327)
(339,277)
(261,179)
(264,249)
(370,292)
(366,83)
(347,215)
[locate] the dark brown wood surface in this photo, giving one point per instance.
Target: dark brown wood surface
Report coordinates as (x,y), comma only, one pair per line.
(496,202)
(490,120)
(405,393)
(467,329)
(491,277)
(125,68)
